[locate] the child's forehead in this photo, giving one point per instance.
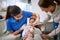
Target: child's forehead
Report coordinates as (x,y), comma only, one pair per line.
(32,19)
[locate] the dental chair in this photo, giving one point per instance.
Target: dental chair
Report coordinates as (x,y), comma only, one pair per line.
(4,33)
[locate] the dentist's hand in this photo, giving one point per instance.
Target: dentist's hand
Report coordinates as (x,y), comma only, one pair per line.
(44,36)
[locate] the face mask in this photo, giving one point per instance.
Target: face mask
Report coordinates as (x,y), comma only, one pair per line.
(49,13)
(18,18)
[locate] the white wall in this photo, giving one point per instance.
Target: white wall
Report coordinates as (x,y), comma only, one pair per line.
(25,1)
(34,6)
(23,4)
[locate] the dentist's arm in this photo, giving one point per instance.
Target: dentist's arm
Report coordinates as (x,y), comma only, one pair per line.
(54,32)
(16,32)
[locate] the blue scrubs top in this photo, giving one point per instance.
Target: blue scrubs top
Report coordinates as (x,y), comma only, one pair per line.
(14,25)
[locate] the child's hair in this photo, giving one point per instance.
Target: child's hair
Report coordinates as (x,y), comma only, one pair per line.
(12,11)
(33,17)
(45,3)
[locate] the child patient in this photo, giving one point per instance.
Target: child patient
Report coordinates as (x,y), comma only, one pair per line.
(28,33)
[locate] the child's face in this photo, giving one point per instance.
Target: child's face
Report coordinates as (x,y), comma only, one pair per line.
(31,22)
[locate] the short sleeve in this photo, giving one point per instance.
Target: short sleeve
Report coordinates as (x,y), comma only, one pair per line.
(8,25)
(28,14)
